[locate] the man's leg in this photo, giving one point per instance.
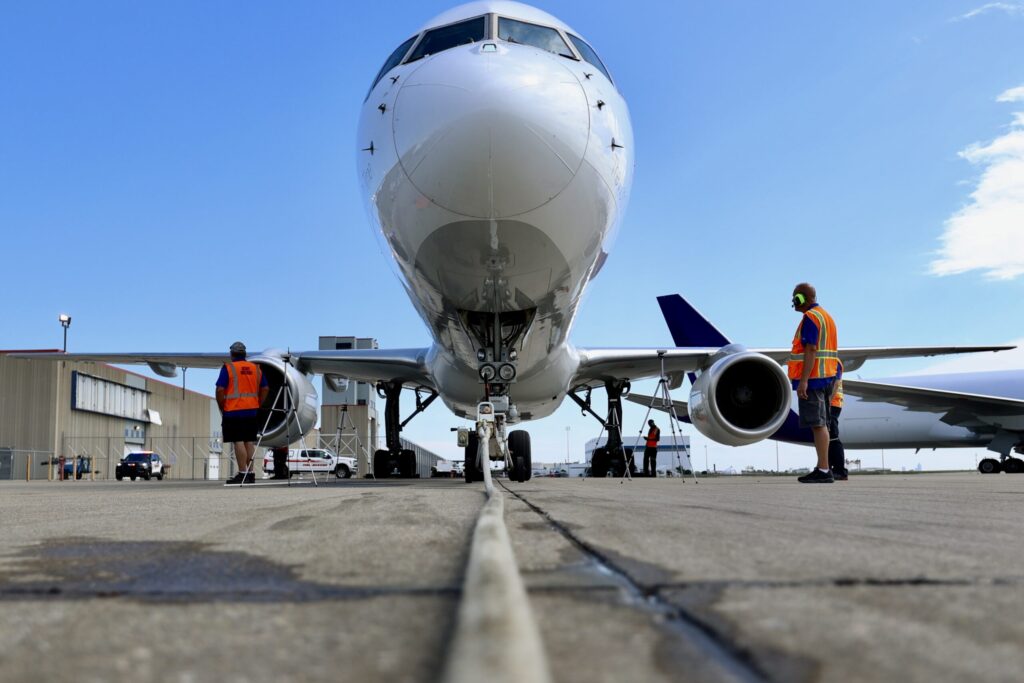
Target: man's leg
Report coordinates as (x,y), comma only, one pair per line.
(821,445)
(250,454)
(241,453)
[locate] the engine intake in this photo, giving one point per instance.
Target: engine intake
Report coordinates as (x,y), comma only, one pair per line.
(741,398)
(290,409)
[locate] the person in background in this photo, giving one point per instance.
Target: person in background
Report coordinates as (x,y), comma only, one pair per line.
(241,390)
(836,452)
(651,450)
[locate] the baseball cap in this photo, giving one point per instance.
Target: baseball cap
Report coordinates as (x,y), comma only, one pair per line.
(237,347)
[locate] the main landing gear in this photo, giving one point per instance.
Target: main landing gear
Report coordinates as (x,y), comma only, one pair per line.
(1006,463)
(612,459)
(395,461)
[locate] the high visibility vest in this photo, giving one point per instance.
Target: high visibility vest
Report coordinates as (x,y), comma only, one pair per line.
(837,394)
(243,388)
(652,437)
(826,358)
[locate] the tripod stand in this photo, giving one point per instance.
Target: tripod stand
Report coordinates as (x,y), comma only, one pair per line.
(342,442)
(662,395)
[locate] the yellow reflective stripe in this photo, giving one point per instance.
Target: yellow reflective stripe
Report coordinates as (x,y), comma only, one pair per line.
(234,380)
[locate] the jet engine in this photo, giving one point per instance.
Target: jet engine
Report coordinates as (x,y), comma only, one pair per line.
(740,397)
(290,409)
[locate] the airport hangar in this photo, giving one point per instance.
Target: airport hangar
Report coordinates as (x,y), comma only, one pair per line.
(49,410)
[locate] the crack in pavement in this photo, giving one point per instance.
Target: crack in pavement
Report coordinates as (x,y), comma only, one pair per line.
(737,662)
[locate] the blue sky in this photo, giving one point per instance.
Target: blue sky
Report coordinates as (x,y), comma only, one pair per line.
(149,152)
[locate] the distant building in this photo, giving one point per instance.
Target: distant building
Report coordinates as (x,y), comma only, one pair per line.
(669,448)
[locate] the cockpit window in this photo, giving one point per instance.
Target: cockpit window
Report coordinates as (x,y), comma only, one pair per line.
(447,37)
(544,37)
(589,55)
(393,61)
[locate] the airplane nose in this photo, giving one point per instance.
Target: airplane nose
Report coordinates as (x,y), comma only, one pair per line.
(491,130)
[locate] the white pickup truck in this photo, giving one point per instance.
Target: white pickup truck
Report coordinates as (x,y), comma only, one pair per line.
(318,460)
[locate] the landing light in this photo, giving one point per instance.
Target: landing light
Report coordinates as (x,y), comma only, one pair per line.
(507,372)
(487,372)
(489,47)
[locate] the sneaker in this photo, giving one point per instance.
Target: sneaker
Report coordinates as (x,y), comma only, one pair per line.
(840,475)
(816,476)
(250,478)
(237,479)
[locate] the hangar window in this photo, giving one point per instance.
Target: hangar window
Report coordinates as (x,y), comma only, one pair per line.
(589,55)
(96,395)
(394,60)
(544,37)
(447,37)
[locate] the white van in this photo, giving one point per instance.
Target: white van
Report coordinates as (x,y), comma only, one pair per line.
(318,460)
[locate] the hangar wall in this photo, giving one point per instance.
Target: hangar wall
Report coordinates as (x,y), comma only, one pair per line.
(38,420)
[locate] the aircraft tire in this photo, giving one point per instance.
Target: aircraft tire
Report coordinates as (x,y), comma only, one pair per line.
(407,464)
(1013,466)
(599,463)
(381,465)
(469,468)
(522,458)
(990,466)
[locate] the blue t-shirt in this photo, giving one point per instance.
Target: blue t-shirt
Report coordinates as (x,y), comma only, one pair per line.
(222,382)
(809,335)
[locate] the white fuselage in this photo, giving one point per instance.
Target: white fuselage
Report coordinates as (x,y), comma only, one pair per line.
(495,184)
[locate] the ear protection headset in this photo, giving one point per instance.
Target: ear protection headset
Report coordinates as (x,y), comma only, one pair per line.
(799,300)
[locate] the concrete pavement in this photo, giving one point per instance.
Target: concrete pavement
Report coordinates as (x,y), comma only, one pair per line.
(898,577)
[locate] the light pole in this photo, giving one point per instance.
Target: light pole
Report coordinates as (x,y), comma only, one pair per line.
(65,322)
(776,457)
(705,457)
(567,428)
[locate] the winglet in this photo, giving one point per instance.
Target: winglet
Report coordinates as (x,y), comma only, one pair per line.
(688,327)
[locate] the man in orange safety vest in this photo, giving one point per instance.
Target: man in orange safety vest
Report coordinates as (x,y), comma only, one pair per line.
(241,390)
(813,368)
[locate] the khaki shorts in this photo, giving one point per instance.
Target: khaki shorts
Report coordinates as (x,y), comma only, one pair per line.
(814,409)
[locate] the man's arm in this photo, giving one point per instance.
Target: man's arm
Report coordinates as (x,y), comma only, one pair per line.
(220,399)
(810,350)
(264,390)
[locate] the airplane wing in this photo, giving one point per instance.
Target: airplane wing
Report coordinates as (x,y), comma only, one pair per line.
(367,365)
(854,357)
(598,365)
(658,403)
(933,400)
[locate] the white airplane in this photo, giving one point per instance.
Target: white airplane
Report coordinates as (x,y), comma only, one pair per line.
(958,410)
(495,153)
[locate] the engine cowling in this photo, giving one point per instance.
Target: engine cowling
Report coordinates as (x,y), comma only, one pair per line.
(290,409)
(740,398)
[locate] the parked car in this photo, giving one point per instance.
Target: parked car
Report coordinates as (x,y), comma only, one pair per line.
(313,460)
(71,471)
(145,464)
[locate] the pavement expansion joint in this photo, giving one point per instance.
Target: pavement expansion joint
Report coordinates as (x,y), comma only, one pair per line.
(840,582)
(735,661)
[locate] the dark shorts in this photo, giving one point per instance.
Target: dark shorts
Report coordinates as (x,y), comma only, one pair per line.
(833,423)
(238,429)
(814,409)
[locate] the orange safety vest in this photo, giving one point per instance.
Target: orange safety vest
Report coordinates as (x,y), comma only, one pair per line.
(826,358)
(652,437)
(837,394)
(243,388)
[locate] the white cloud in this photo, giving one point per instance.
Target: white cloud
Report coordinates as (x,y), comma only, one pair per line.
(1012,95)
(988,233)
(979,362)
(1012,8)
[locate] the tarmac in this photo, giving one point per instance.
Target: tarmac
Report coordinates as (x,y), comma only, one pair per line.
(914,577)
